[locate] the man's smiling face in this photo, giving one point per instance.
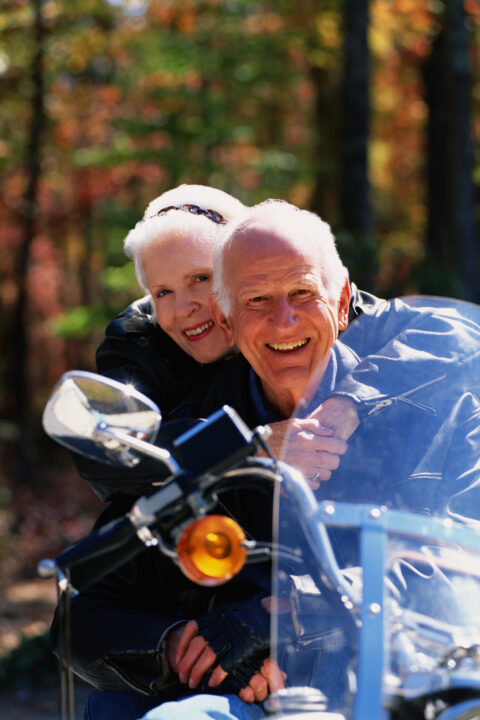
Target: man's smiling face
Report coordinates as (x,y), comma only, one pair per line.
(281,317)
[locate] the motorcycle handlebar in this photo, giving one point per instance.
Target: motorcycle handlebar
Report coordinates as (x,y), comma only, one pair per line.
(207,450)
(100,553)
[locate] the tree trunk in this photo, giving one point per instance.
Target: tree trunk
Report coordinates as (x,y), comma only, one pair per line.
(356,215)
(451,238)
(20,382)
(325,196)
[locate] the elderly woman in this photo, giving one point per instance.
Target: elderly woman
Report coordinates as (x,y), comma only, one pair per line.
(159,343)
(166,344)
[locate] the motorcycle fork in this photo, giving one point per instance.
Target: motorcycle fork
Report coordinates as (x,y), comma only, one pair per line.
(65,674)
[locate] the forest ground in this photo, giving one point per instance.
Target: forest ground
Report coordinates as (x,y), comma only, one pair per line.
(37,522)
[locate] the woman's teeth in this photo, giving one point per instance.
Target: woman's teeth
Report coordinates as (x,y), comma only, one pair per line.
(198,330)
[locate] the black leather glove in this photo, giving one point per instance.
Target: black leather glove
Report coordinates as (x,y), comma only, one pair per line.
(241,675)
(237,632)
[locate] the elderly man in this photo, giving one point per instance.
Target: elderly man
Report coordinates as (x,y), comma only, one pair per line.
(288,298)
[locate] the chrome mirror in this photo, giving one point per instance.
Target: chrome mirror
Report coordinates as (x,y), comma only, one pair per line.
(102,419)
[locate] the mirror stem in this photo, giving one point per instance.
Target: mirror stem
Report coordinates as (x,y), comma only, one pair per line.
(104,431)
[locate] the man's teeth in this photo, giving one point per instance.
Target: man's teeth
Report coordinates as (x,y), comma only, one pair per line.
(285,347)
(198,330)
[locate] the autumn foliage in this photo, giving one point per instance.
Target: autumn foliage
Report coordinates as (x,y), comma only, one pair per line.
(107,103)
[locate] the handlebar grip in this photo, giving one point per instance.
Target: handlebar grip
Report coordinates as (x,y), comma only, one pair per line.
(100,553)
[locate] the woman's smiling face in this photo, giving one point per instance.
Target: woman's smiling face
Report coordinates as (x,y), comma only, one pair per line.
(178,271)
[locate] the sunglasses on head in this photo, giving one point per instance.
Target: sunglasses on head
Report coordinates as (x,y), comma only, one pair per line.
(212,215)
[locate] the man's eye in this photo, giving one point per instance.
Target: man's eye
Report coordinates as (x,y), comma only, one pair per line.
(202,278)
(257,300)
(302,291)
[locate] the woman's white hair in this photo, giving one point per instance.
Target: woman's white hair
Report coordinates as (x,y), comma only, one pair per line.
(193,209)
(286,217)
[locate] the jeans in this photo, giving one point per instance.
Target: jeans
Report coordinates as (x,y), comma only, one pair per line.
(117,705)
(125,705)
(206,707)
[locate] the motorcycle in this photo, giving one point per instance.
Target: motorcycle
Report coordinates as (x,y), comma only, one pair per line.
(379,595)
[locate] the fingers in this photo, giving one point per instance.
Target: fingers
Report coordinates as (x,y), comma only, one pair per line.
(256,691)
(308,440)
(330,445)
(247,695)
(277,605)
(172,641)
(217,676)
(189,632)
(327,460)
(312,424)
(315,449)
(198,660)
(324,464)
(268,680)
(338,413)
(273,675)
(314,428)
(316,456)
(195,658)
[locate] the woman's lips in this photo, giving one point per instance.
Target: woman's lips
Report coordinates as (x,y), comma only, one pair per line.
(198,332)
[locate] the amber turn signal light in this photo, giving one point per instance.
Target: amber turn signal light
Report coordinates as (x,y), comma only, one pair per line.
(210,549)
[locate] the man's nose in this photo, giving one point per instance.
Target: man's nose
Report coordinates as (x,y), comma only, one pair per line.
(283,314)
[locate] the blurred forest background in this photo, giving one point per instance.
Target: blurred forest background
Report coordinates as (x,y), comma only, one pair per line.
(366,112)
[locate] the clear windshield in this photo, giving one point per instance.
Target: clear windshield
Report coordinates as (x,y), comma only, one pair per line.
(379,568)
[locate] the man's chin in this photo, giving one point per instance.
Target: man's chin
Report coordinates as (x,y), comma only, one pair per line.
(292,381)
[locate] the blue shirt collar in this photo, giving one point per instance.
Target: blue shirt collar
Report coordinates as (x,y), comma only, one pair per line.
(264,415)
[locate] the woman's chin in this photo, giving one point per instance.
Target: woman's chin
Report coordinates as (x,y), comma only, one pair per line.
(209,355)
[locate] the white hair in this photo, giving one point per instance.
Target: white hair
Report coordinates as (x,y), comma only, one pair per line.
(210,209)
(206,197)
(281,215)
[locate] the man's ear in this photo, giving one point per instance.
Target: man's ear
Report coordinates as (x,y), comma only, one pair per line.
(221,320)
(344,306)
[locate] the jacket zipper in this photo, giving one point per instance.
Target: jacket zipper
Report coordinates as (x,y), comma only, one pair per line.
(403,397)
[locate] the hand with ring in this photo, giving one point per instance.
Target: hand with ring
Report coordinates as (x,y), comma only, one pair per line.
(313,449)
